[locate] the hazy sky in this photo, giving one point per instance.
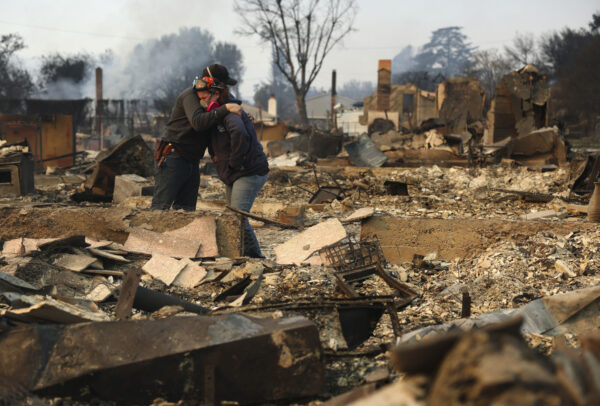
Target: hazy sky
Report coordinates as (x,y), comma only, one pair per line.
(383,27)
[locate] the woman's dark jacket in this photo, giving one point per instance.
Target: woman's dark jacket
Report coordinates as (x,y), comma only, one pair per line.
(235,148)
(190,125)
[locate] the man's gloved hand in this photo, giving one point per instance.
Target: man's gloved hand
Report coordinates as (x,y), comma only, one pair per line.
(234,108)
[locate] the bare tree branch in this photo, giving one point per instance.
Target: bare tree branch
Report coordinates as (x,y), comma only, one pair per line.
(301,32)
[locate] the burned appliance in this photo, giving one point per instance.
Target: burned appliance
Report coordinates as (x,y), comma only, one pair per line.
(16,169)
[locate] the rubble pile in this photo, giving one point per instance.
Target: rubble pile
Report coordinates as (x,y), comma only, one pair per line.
(437,254)
(432,191)
(376,283)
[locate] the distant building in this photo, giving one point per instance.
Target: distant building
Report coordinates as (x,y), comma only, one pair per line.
(318,109)
(408,106)
(258,114)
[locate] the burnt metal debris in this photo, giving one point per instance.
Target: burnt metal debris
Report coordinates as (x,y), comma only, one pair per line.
(212,359)
(129,156)
(355,260)
(396,188)
(16,169)
(364,152)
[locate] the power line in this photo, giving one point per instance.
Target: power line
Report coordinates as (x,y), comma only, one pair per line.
(96,34)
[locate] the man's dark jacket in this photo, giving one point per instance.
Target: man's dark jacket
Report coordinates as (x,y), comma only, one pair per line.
(189,125)
(235,146)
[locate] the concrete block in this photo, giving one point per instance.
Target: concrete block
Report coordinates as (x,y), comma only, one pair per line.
(131,185)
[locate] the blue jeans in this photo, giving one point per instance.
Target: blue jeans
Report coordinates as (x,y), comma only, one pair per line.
(241,195)
(177,182)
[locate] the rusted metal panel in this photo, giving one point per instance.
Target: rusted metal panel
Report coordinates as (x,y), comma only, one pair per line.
(47,138)
(249,360)
(270,132)
(57,141)
(15,128)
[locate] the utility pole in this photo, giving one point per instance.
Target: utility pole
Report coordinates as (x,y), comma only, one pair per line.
(99,126)
(333,94)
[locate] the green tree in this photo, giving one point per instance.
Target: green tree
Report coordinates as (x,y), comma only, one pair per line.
(448,52)
(573,58)
(15,82)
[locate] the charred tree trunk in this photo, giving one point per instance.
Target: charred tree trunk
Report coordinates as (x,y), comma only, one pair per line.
(301,104)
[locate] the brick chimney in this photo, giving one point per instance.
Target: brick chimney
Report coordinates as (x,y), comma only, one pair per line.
(384,84)
(272,106)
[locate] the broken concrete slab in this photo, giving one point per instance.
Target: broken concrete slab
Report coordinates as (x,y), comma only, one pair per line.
(232,358)
(129,185)
(100,293)
(7,278)
(107,255)
(544,214)
(191,275)
(48,310)
(111,223)
(541,142)
(76,263)
(202,230)
(150,242)
(303,245)
(359,214)
(23,246)
(164,268)
(97,244)
(14,248)
(220,264)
